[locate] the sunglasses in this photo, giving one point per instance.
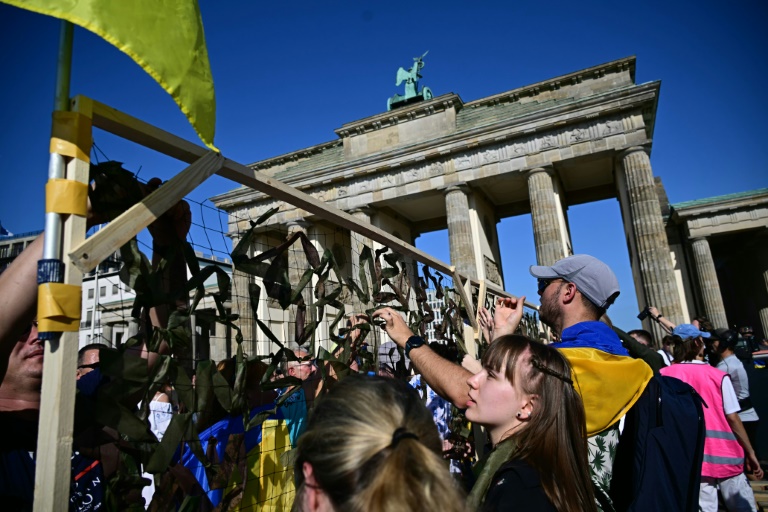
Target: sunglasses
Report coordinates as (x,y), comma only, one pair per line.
(544,283)
(29,329)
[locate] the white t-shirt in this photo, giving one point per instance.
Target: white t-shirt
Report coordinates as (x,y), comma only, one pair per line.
(735,368)
(730,401)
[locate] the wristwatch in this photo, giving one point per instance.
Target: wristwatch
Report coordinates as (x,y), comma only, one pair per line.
(412,343)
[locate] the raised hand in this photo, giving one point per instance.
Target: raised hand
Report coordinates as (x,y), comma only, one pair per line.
(486,323)
(507,317)
(394,325)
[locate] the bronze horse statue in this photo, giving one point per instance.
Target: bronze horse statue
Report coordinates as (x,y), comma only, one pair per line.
(411,79)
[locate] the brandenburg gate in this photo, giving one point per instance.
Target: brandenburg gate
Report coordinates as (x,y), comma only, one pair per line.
(439,162)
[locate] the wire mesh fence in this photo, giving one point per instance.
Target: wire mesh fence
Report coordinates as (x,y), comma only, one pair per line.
(278,312)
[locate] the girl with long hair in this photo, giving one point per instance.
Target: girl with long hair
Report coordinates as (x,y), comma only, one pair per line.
(371,446)
(525,397)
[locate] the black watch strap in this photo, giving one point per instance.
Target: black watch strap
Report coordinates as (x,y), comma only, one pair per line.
(412,343)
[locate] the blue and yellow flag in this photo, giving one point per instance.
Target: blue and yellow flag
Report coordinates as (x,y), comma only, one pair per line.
(165,37)
(609,385)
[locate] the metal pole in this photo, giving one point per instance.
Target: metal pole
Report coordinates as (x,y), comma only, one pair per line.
(51,265)
(52,242)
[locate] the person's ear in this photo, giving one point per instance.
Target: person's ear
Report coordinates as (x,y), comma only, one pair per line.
(309,474)
(568,293)
(310,495)
(528,407)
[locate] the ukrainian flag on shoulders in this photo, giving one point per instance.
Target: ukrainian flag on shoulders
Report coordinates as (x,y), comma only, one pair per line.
(608,380)
(165,37)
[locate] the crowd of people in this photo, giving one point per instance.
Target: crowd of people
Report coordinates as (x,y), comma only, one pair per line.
(551,412)
(392,440)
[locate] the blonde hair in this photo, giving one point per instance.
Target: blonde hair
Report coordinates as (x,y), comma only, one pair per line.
(361,464)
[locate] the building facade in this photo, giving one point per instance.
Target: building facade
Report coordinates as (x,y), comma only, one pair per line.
(721,244)
(12,245)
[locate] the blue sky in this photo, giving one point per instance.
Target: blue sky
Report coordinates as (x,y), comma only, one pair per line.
(287,75)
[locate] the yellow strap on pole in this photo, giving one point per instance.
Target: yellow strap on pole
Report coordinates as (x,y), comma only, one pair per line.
(58,307)
(71,135)
(66,197)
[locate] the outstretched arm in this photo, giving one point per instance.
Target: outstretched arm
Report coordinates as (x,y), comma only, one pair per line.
(664,322)
(741,435)
(18,294)
(449,380)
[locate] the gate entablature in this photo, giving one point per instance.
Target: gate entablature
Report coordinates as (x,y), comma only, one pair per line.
(546,123)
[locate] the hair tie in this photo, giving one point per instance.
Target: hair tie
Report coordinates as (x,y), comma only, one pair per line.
(549,371)
(401,433)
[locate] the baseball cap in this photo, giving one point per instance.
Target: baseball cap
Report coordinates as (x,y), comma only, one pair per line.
(689,331)
(593,278)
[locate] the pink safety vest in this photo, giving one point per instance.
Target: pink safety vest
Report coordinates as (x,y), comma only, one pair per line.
(723,455)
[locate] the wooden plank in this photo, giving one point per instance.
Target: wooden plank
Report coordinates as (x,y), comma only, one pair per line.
(459,287)
(497,290)
(57,401)
(95,249)
(135,130)
(482,288)
(140,132)
(493,287)
(130,128)
(470,342)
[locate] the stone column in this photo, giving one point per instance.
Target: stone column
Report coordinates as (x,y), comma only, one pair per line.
(241,306)
(764,311)
(652,259)
(708,284)
(547,228)
(460,230)
(297,265)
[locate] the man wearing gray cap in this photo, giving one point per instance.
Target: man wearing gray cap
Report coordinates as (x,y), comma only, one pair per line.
(575,292)
(586,287)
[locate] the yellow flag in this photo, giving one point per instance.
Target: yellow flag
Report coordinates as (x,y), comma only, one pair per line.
(165,37)
(609,385)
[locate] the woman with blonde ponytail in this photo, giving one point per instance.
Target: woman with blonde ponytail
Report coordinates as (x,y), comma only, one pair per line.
(372,446)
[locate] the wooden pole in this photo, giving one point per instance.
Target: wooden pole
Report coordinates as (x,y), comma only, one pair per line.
(57,400)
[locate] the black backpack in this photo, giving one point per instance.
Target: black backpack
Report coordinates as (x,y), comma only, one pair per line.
(661,450)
